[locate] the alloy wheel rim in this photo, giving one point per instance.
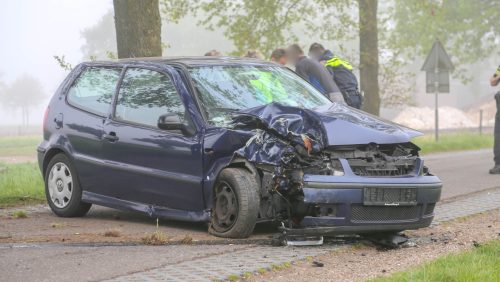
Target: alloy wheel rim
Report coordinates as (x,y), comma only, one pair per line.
(60,184)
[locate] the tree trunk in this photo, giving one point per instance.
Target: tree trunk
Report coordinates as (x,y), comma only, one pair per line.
(138,28)
(368,55)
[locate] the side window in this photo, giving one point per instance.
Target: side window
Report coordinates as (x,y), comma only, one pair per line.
(145,95)
(93,90)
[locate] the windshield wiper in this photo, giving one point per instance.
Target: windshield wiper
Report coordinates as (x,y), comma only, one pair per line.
(227,110)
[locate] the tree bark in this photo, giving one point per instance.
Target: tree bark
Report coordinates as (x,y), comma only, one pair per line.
(368,55)
(138,28)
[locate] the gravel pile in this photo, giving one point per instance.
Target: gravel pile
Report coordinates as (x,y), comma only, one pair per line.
(489,111)
(422,118)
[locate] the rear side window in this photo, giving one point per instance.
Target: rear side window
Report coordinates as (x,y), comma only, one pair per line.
(145,95)
(93,90)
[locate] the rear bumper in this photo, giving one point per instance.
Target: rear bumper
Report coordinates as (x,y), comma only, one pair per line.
(340,200)
(40,150)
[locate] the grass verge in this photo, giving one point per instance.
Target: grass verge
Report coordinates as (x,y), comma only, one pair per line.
(19,145)
(479,264)
(20,184)
(454,142)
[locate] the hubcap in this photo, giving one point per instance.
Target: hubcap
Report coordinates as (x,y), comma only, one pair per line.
(226,206)
(60,184)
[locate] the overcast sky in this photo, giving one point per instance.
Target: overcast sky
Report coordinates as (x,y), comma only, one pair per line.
(33,31)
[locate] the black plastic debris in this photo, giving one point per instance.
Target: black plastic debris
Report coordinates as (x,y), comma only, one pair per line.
(318,264)
(388,240)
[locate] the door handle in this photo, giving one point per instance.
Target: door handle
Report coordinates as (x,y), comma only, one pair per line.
(111,136)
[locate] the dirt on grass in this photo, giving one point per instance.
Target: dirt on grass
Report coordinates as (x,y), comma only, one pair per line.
(103,225)
(367,261)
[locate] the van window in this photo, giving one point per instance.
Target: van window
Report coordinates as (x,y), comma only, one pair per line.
(93,90)
(145,95)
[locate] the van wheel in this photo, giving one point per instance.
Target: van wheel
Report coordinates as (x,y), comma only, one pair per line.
(235,204)
(62,188)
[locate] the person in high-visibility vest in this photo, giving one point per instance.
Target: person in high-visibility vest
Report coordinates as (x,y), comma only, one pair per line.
(269,88)
(341,71)
(494,81)
(312,71)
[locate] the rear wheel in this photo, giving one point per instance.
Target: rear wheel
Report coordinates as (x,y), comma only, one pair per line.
(236,204)
(62,188)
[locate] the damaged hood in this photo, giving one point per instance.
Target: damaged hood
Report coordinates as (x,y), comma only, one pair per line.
(330,125)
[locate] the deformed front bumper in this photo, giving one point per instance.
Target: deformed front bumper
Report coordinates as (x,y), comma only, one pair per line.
(342,207)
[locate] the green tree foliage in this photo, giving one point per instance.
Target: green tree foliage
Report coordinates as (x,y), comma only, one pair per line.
(469,30)
(267,24)
(24,93)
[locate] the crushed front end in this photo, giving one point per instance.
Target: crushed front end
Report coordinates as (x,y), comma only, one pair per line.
(315,187)
(366,189)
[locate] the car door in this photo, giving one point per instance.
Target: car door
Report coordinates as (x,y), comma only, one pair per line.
(150,165)
(89,100)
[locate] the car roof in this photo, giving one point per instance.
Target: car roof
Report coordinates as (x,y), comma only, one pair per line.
(186,61)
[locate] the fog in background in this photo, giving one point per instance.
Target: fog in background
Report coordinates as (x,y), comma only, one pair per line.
(32,32)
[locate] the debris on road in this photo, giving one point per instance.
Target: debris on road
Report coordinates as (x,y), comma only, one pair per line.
(318,264)
(388,240)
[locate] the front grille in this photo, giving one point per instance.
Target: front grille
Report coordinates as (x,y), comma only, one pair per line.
(400,167)
(371,171)
(360,213)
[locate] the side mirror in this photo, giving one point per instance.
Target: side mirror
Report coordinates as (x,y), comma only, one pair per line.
(170,121)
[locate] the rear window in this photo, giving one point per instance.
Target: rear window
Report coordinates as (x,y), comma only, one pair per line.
(93,90)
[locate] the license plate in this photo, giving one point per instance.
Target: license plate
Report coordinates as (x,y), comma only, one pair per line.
(375,196)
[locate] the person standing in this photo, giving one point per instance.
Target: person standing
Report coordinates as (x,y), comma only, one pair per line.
(279,56)
(314,72)
(341,71)
(494,80)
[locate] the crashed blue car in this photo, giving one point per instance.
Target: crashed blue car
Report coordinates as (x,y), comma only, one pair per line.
(231,142)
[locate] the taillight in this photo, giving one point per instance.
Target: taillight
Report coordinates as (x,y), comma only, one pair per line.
(45,117)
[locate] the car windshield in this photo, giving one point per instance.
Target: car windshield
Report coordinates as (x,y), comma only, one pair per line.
(226,89)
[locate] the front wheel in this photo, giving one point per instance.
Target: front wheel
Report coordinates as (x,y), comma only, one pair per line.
(236,204)
(62,188)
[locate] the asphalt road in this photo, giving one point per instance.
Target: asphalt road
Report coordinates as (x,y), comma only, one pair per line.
(461,172)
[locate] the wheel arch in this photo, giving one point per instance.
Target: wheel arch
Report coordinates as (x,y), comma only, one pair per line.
(244,164)
(49,155)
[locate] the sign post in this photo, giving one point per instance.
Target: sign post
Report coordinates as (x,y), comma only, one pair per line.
(437,67)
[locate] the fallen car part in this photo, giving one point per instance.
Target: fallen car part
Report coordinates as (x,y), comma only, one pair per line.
(292,240)
(282,239)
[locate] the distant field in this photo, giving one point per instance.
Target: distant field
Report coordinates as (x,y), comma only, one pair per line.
(480,264)
(26,145)
(19,145)
(454,142)
(20,184)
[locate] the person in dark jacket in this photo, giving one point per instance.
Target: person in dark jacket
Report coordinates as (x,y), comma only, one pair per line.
(494,80)
(341,71)
(314,72)
(279,56)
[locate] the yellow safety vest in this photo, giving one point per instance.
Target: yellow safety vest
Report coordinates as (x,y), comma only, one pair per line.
(336,61)
(269,87)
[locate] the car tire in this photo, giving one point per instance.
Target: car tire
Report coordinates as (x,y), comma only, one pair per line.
(62,188)
(236,204)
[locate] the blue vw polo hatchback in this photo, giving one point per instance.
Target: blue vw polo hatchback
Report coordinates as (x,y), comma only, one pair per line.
(231,142)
